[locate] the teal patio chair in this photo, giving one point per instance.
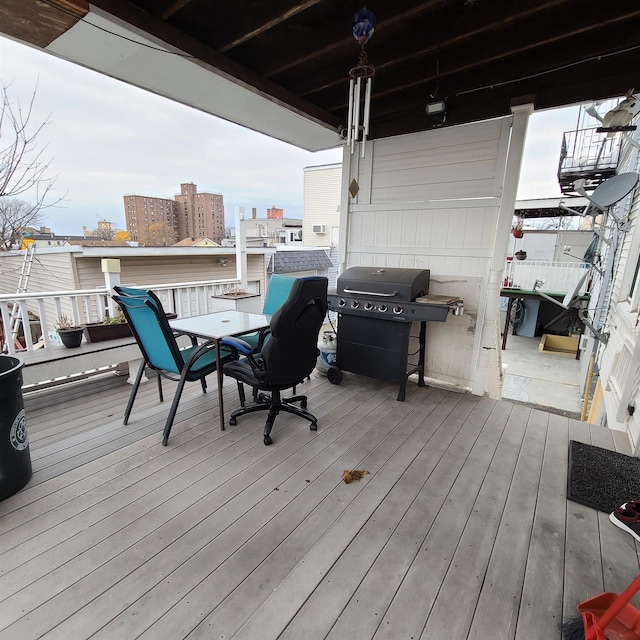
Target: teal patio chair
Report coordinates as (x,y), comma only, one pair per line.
(161,352)
(277,292)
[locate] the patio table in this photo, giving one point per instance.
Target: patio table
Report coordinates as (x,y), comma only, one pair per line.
(218,325)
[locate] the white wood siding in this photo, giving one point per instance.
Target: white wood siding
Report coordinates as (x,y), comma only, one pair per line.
(431,201)
(619,359)
(321,203)
(49,272)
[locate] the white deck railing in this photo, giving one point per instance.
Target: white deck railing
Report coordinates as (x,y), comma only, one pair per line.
(40,311)
(557,277)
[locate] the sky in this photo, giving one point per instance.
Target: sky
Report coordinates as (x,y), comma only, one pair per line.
(105,138)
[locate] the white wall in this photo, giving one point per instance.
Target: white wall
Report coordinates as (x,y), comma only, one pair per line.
(321,204)
(432,200)
(619,358)
(548,244)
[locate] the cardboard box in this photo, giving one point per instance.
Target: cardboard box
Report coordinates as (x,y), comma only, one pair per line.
(559,345)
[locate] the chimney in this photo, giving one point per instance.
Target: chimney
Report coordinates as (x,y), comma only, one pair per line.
(253,213)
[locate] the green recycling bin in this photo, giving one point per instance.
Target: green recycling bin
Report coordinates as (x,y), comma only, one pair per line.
(15,458)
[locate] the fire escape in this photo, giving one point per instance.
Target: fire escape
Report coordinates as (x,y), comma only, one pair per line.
(587,154)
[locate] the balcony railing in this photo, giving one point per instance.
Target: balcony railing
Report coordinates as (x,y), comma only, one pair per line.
(557,277)
(40,311)
(589,155)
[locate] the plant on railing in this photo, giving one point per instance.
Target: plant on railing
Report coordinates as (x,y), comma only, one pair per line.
(108,328)
(69,332)
(64,323)
(516,229)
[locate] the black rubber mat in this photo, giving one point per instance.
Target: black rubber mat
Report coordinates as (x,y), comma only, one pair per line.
(600,478)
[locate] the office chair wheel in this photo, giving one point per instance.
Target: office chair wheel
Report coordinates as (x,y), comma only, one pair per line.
(313,426)
(267,440)
(303,404)
(233,421)
(334,375)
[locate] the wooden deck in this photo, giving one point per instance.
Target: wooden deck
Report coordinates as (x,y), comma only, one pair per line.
(461,530)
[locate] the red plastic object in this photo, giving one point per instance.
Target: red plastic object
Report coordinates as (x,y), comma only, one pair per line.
(609,616)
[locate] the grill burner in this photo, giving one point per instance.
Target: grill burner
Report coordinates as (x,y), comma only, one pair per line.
(375,310)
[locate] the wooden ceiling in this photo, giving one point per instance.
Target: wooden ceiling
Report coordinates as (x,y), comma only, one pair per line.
(480,56)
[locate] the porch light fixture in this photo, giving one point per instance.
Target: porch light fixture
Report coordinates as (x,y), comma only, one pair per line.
(434,108)
(360,82)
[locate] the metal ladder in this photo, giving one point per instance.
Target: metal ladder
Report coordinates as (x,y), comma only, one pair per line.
(15,319)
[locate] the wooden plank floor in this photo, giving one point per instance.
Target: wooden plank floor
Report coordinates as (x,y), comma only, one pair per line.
(461,530)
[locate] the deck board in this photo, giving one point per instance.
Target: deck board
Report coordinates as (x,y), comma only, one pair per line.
(461,530)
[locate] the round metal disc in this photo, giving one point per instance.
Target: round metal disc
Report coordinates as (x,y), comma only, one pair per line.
(614,189)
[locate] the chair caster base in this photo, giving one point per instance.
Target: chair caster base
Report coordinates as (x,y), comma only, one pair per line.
(233,421)
(267,440)
(313,426)
(303,404)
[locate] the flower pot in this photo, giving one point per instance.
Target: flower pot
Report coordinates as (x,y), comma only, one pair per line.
(98,331)
(71,338)
(520,255)
(517,233)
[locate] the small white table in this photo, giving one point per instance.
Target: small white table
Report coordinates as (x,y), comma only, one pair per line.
(218,325)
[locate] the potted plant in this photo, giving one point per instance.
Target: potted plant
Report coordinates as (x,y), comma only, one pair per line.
(107,329)
(516,229)
(520,255)
(70,334)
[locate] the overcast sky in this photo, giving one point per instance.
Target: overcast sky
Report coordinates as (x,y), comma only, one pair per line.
(106,139)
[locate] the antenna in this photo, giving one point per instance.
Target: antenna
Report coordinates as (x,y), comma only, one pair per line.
(608,192)
(613,190)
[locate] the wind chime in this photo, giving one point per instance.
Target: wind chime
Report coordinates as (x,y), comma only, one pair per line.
(360,82)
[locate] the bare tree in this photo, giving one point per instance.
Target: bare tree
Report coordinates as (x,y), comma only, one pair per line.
(23,169)
(15,215)
(105,230)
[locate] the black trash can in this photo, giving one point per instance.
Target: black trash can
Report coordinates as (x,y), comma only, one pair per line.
(15,458)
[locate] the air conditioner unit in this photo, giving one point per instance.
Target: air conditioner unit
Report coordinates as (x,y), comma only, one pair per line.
(319,228)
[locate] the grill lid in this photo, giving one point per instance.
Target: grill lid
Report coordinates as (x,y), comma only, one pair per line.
(393,282)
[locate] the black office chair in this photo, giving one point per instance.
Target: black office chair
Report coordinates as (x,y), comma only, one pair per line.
(157,341)
(287,358)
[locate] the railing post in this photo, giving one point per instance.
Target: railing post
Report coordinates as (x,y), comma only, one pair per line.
(111,270)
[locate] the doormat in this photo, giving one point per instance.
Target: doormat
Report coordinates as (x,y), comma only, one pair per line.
(600,478)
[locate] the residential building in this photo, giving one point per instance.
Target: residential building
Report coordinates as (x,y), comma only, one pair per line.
(321,205)
(151,220)
(268,232)
(200,215)
(196,242)
(155,221)
(273,212)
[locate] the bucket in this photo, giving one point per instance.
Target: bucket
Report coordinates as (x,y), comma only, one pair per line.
(327,347)
(15,458)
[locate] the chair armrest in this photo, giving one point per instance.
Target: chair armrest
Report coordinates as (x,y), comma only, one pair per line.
(239,345)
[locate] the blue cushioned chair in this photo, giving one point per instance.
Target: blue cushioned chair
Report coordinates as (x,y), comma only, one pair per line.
(161,352)
(277,292)
(287,357)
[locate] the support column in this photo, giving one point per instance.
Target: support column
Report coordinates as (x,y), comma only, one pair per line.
(489,358)
(111,271)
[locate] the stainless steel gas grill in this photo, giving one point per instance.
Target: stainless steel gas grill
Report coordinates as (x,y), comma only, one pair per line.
(375,310)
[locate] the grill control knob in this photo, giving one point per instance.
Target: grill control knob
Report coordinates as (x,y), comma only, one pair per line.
(382,307)
(398,310)
(368,306)
(342,302)
(355,304)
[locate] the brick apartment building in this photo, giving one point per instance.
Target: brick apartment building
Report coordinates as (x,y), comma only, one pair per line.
(274,213)
(164,221)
